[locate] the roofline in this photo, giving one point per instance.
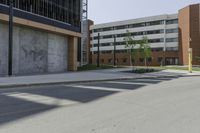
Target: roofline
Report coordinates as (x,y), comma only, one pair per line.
(137,20)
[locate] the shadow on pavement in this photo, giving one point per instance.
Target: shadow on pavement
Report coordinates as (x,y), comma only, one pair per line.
(13,108)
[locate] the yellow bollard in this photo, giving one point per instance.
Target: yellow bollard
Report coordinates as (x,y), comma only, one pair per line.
(190,60)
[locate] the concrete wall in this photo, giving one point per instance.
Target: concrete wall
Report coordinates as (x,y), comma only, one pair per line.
(3,49)
(57,53)
(35,51)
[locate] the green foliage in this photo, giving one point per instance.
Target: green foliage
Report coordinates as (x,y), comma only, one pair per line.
(144,70)
(145,49)
(93,67)
(141,47)
(198,58)
(131,45)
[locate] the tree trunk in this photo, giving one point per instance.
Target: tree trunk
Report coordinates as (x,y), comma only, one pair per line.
(131,63)
(145,60)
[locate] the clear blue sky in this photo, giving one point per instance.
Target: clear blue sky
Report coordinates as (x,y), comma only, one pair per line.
(102,11)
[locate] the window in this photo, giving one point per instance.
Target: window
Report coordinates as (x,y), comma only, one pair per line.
(97,30)
(107,29)
(172,61)
(107,36)
(156,40)
(155,32)
(156,49)
(160,22)
(96,38)
(102,60)
(171,39)
(121,35)
(121,27)
(103,29)
(137,33)
(106,52)
(171,31)
(106,44)
(173,21)
(95,45)
(120,43)
(172,49)
(137,25)
(121,51)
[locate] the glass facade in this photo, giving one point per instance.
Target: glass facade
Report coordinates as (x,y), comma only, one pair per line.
(67,11)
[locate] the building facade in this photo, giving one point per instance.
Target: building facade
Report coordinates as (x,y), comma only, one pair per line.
(164,33)
(85,41)
(189,32)
(45,36)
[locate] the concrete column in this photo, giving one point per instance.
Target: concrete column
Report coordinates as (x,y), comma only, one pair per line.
(72,53)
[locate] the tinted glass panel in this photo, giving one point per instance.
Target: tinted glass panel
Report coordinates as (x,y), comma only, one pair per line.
(67,11)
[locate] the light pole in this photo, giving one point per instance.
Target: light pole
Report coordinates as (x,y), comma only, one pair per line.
(114,50)
(10,46)
(98,54)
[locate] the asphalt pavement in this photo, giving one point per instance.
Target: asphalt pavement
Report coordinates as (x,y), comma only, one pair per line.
(158,105)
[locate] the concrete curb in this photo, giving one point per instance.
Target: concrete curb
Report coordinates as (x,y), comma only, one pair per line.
(89,81)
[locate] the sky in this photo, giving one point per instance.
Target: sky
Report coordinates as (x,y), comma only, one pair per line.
(103,11)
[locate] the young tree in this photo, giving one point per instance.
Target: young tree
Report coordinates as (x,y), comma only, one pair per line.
(131,46)
(198,58)
(145,49)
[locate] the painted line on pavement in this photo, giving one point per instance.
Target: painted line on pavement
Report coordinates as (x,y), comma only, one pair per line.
(46,100)
(100,88)
(128,83)
(156,80)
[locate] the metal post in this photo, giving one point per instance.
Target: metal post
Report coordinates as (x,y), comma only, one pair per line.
(114,50)
(98,54)
(10,47)
(190,60)
(190,56)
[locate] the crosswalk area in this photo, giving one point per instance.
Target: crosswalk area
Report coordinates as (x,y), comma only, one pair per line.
(61,95)
(24,101)
(120,85)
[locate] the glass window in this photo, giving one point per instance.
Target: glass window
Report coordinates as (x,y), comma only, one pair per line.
(136,25)
(107,29)
(156,40)
(121,27)
(155,32)
(171,31)
(173,21)
(67,11)
(172,49)
(157,49)
(171,39)
(160,22)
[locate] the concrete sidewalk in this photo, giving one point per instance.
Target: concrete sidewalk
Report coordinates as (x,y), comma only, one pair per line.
(89,76)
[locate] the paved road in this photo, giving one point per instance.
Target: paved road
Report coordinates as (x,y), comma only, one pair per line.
(162,105)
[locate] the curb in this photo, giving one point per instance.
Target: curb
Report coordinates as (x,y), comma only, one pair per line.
(89,81)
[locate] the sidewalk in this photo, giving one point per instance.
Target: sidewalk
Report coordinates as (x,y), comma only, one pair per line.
(89,76)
